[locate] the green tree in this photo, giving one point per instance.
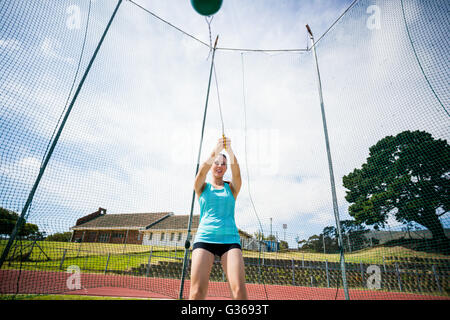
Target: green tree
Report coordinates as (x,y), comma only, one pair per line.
(312,243)
(260,236)
(331,239)
(406,176)
(353,233)
(301,243)
(284,245)
(8,220)
(59,236)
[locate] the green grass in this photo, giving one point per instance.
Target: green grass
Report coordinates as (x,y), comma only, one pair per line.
(88,256)
(94,256)
(95,263)
(62,297)
(54,250)
(368,255)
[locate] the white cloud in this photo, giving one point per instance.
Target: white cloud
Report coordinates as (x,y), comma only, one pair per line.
(10,44)
(49,48)
(24,170)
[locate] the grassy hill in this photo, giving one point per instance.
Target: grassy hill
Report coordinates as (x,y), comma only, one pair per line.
(48,252)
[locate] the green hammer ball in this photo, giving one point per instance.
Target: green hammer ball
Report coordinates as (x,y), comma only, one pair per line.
(206,7)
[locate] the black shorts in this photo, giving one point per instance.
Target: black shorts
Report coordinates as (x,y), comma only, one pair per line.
(217,249)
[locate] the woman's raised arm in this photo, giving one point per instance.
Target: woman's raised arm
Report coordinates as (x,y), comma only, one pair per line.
(200,179)
(236,180)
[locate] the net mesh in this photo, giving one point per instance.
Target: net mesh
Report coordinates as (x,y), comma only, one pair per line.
(110,213)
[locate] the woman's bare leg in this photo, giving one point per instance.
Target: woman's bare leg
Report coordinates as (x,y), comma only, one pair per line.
(202,261)
(233,266)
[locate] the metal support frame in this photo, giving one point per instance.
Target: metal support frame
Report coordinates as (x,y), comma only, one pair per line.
(330,167)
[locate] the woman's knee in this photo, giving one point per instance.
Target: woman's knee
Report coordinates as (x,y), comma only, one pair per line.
(198,292)
(239,291)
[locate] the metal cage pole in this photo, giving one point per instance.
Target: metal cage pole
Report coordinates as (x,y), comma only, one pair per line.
(330,167)
(187,243)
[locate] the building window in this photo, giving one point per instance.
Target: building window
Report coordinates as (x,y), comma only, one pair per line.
(172,236)
(179,236)
(150,236)
(103,237)
(162,236)
(91,236)
(117,235)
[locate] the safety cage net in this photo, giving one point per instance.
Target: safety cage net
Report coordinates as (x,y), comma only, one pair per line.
(341,139)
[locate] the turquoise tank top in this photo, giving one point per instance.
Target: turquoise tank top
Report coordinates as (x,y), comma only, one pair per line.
(217,224)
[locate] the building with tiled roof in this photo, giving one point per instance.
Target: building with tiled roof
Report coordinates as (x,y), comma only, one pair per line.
(115,228)
(171,231)
(122,220)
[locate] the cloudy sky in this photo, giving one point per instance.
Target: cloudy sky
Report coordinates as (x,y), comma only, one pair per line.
(132,138)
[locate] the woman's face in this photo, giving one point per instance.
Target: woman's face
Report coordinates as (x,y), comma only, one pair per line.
(219,166)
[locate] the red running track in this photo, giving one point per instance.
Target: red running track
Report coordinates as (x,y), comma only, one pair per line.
(49,282)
